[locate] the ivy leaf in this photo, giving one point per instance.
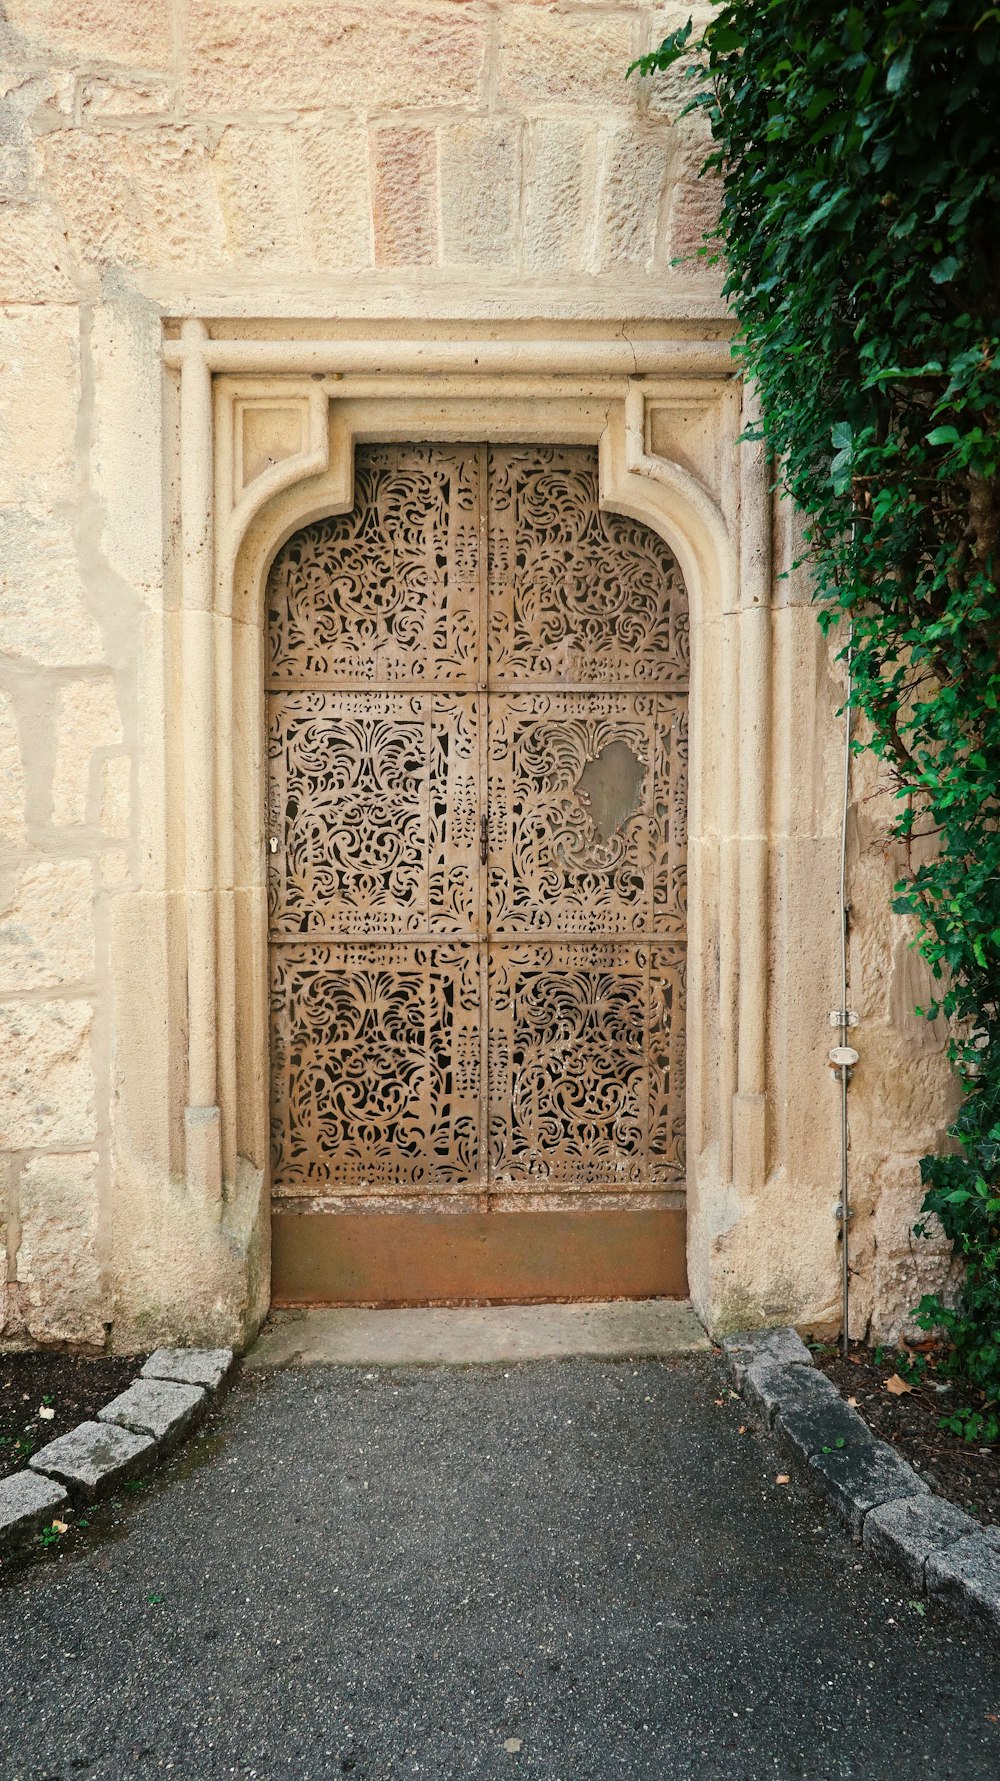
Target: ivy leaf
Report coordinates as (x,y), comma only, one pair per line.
(899,68)
(945,270)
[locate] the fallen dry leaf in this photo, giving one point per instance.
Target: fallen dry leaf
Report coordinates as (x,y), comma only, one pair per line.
(512,1745)
(897,1385)
(782,1478)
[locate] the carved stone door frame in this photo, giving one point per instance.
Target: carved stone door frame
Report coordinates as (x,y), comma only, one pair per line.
(267,429)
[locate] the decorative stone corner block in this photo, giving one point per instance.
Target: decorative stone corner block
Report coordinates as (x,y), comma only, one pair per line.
(27,1500)
(94,1457)
(156,1407)
(207,1367)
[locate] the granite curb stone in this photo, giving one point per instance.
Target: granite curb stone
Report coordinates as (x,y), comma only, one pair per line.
(207,1367)
(783,1346)
(944,1552)
(908,1532)
(858,1479)
(27,1500)
(156,1407)
(774,1387)
(814,1423)
(173,1390)
(967,1574)
(94,1457)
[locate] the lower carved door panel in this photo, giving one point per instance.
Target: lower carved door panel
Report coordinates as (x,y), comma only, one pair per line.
(477,709)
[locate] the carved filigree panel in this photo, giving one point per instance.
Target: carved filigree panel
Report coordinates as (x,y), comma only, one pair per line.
(389,592)
(374,810)
(587,813)
(668,984)
(582,1080)
(375,1067)
(385,920)
(576,594)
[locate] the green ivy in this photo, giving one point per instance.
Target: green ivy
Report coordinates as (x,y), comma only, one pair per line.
(859,151)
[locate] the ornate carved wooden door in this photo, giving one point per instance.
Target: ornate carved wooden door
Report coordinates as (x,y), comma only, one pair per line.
(477,708)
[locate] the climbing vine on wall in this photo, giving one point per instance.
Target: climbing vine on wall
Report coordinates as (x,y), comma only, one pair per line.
(859,151)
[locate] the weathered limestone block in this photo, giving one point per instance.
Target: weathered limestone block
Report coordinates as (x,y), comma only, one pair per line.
(546,55)
(133,98)
(284,54)
(36,262)
(635,173)
(39,394)
(190,1366)
(559,188)
(693,214)
(27,1501)
(94,1457)
(126,446)
(46,1076)
(480,191)
(6,1295)
(255,178)
(333,192)
(116,779)
(130,31)
(668,93)
(404,196)
(87,717)
(89,177)
(911,987)
(175,198)
(43,604)
(156,1407)
(58,1268)
(46,926)
(12,830)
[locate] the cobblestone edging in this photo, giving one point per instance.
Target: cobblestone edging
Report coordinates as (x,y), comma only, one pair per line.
(172,1393)
(945,1553)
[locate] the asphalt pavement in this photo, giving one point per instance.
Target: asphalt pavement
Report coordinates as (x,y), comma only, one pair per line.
(572,1569)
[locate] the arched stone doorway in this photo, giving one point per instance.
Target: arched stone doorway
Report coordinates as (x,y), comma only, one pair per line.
(263,442)
(477,685)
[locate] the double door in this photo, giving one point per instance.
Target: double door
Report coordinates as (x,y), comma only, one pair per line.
(477,711)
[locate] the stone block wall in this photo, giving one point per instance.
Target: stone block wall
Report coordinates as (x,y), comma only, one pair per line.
(416,164)
(185,138)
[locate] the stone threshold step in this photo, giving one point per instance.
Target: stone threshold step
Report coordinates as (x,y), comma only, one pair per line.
(477,1336)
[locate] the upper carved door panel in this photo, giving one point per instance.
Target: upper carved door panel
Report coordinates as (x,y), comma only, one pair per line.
(587,796)
(388,594)
(576,595)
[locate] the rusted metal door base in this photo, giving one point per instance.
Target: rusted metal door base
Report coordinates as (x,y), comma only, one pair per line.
(483,1258)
